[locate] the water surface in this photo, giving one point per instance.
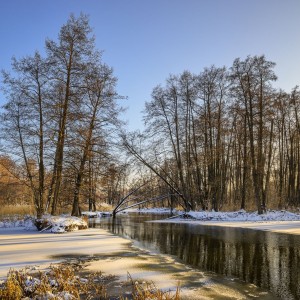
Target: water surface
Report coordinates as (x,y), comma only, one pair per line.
(266,259)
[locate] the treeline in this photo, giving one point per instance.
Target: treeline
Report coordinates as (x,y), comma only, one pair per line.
(221,139)
(60,119)
(225,138)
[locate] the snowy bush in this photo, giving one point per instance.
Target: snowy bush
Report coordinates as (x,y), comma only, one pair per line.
(60,224)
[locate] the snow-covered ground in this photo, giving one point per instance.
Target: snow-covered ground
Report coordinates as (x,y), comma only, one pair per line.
(275,221)
(37,250)
(231,216)
(96,214)
(155,210)
(54,224)
(62,224)
(20,248)
(26,222)
(242,215)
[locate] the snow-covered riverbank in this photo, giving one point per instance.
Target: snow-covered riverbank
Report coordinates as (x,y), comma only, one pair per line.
(275,221)
(242,216)
(287,227)
(21,245)
(21,248)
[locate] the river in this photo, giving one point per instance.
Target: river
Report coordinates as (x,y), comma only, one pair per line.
(268,260)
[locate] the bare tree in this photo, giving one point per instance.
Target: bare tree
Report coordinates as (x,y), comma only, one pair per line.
(251,84)
(58,114)
(23,119)
(98,110)
(68,58)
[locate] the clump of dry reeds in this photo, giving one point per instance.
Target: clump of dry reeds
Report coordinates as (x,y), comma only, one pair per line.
(16,210)
(63,281)
(148,291)
(60,282)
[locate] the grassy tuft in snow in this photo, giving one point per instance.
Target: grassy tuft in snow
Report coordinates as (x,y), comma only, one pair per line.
(148,291)
(63,282)
(60,282)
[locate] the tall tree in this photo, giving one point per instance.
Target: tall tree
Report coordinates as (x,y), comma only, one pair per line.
(212,91)
(57,106)
(23,119)
(98,108)
(68,60)
(164,115)
(251,85)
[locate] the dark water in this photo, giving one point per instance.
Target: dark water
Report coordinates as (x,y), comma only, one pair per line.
(268,260)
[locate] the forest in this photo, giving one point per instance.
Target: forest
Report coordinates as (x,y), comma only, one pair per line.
(222,139)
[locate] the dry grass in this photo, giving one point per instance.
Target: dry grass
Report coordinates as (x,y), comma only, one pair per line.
(100,207)
(65,281)
(105,207)
(66,209)
(20,210)
(60,282)
(148,291)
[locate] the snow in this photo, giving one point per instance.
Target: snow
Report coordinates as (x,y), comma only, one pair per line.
(155,210)
(242,215)
(27,223)
(37,250)
(90,214)
(63,224)
(233,216)
(274,221)
(96,214)
(65,296)
(31,283)
(277,221)
(20,248)
(54,224)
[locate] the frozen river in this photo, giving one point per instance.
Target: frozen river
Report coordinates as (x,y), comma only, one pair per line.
(267,259)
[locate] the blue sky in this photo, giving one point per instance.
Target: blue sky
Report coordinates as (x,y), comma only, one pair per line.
(146,40)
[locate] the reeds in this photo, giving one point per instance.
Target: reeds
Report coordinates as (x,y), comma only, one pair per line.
(60,282)
(63,281)
(16,210)
(149,291)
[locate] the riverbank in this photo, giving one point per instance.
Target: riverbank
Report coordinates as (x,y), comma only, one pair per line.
(20,248)
(286,227)
(115,255)
(274,221)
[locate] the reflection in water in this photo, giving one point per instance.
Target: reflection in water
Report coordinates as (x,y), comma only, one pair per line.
(269,260)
